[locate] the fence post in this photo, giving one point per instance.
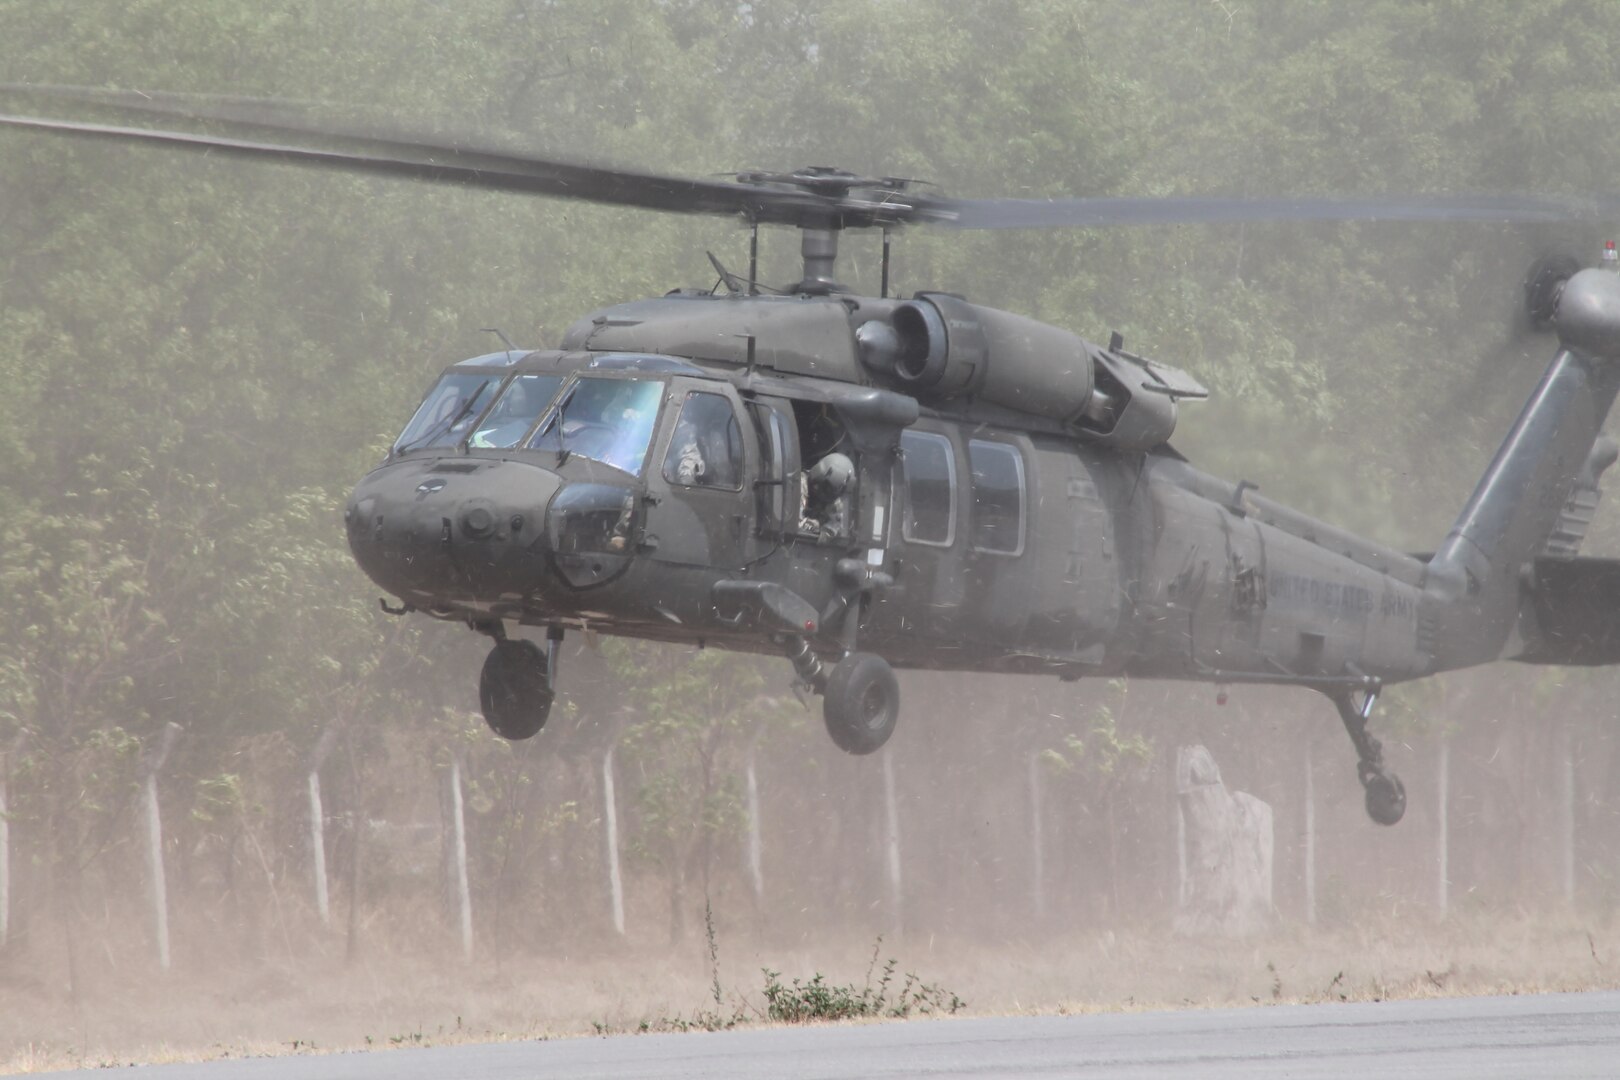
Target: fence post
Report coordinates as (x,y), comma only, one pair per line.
(1310,833)
(892,844)
(756,869)
(1442,883)
(150,768)
(1037,844)
(317,821)
(610,818)
(459,888)
(1566,766)
(12,753)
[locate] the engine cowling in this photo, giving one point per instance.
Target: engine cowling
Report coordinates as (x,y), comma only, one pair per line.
(938,347)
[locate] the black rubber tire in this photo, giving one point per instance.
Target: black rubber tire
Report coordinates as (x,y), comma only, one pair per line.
(862,703)
(514,691)
(1544,284)
(1386,798)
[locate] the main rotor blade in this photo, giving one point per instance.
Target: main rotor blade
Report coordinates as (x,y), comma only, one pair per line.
(482,169)
(277,128)
(1177,210)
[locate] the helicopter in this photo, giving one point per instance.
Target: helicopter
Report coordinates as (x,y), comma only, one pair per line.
(859,483)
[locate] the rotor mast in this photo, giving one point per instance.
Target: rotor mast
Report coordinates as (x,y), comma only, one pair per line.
(819,247)
(821,202)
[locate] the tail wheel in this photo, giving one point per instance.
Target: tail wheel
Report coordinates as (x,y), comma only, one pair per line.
(1386,796)
(514,690)
(862,703)
(1543,286)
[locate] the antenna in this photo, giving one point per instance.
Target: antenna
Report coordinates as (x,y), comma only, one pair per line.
(733,286)
(753,261)
(498,332)
(883,290)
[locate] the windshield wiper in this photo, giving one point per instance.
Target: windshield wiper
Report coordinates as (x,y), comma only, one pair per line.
(445,425)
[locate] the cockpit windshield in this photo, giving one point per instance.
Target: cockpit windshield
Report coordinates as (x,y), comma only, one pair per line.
(515,411)
(449,410)
(607,420)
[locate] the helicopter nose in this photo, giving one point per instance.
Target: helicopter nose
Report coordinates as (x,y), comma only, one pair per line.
(438,531)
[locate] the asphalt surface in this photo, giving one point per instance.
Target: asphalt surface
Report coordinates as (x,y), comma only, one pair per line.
(1552,1035)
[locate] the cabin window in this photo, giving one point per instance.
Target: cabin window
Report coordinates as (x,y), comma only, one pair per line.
(929,466)
(515,411)
(997,515)
(707,447)
(606,420)
(449,410)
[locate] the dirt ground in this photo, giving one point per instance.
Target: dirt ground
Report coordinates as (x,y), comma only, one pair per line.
(130,1013)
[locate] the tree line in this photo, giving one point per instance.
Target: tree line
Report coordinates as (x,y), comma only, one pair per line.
(199,357)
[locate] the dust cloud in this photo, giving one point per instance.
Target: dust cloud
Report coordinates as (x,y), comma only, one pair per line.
(1017,848)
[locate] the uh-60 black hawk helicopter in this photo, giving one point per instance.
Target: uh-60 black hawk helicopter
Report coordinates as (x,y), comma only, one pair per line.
(861,483)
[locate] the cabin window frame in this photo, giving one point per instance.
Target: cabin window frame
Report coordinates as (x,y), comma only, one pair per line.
(1022,493)
(908,518)
(778,485)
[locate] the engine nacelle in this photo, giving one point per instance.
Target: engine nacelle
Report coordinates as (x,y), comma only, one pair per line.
(939,347)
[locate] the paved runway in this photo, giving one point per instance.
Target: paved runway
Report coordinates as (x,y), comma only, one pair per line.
(1554,1035)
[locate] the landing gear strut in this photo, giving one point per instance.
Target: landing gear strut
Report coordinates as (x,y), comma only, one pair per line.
(516,687)
(1386,795)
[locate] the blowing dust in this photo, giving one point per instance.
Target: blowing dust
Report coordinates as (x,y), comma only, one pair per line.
(1017,849)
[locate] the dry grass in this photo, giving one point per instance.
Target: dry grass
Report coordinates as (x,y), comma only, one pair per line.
(393,998)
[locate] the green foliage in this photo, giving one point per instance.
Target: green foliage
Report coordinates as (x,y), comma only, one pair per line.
(690,710)
(199,356)
(814,1000)
(803,1002)
(1105,751)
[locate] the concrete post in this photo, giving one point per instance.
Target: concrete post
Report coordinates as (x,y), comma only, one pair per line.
(159,894)
(11,755)
(610,818)
(460,892)
(317,822)
(1037,841)
(1310,835)
(1442,881)
(892,845)
(756,869)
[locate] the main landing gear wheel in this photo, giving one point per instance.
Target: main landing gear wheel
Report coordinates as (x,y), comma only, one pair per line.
(1386,796)
(862,703)
(514,690)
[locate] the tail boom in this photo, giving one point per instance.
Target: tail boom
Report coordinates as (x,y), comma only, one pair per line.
(1477,583)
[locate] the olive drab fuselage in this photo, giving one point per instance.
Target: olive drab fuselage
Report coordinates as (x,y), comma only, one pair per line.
(970,541)
(863,484)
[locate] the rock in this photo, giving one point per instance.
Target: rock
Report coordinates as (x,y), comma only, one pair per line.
(1227,861)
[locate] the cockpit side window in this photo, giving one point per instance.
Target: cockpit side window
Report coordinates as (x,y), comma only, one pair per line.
(515,411)
(928,463)
(707,447)
(448,410)
(607,420)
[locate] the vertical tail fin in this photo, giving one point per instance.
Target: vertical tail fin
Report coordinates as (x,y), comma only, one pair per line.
(1475,577)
